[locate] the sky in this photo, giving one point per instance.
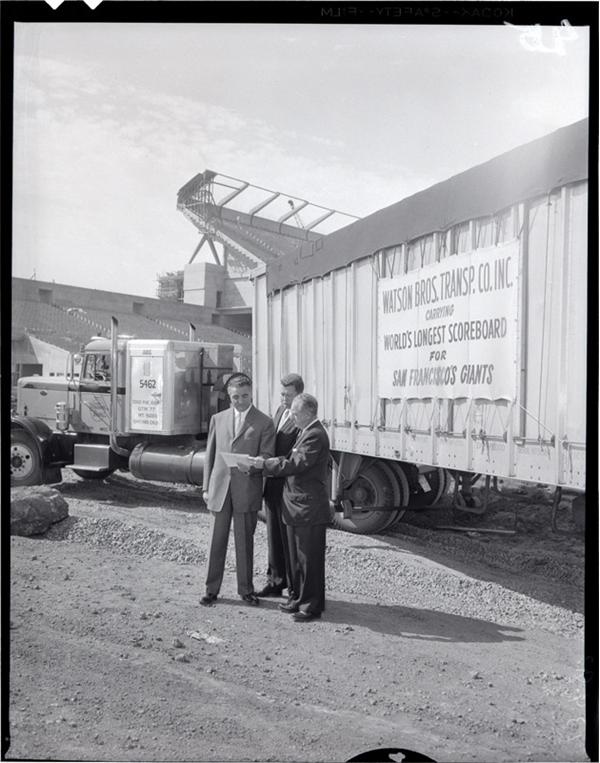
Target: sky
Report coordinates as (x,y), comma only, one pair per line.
(110,120)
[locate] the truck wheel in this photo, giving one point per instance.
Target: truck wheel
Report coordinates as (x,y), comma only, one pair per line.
(25,462)
(93,475)
(423,499)
(372,487)
(400,490)
(401,480)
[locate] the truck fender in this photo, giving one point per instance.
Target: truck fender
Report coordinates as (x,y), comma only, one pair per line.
(41,436)
(40,431)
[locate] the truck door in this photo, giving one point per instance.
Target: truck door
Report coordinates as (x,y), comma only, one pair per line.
(94,393)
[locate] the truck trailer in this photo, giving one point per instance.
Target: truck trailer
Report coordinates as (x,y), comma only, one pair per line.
(443,335)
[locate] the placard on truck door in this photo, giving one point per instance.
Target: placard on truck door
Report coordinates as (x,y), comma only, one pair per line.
(163,386)
(146,394)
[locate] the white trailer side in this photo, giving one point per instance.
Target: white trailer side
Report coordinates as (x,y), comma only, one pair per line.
(325,323)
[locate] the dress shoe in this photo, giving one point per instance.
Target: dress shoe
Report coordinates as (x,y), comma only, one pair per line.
(270,590)
(208,599)
(290,607)
(251,599)
(305,617)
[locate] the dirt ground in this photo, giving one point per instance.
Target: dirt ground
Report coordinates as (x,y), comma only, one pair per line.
(461,645)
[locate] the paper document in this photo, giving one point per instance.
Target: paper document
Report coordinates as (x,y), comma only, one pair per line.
(235,460)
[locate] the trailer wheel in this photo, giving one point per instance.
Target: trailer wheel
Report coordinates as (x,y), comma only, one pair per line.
(447,481)
(423,499)
(25,462)
(401,480)
(372,487)
(400,489)
(93,475)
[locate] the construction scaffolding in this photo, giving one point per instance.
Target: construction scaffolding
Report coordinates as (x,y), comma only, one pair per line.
(170,286)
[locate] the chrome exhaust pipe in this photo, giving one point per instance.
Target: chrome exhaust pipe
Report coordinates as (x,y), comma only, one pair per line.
(114,382)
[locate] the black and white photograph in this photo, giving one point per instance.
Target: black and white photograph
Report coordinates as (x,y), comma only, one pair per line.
(303,381)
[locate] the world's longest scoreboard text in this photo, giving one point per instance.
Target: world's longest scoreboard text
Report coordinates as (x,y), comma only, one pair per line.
(450,329)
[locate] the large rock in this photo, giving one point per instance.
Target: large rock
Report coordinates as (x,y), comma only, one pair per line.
(34,509)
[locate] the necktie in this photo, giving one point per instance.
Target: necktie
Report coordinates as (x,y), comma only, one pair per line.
(236,423)
(284,417)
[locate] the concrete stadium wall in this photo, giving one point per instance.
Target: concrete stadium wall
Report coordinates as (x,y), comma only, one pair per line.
(209,277)
(53,359)
(201,282)
(237,322)
(237,292)
(68,296)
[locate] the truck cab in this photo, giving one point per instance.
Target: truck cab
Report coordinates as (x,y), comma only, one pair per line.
(84,391)
(152,419)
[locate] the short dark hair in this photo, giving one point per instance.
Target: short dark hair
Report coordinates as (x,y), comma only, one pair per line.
(239,380)
(293,380)
(307,402)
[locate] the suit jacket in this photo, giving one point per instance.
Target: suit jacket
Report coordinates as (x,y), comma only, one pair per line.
(306,489)
(284,442)
(256,438)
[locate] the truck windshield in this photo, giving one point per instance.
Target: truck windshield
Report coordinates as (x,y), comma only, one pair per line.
(96,367)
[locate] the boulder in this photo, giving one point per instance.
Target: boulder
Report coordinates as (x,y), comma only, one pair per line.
(33,509)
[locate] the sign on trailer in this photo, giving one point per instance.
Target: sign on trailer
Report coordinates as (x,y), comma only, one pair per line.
(449,329)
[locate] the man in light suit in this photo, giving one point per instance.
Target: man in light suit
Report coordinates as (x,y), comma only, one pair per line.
(231,493)
(279,571)
(306,509)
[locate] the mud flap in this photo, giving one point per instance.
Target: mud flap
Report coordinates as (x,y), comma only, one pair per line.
(51,475)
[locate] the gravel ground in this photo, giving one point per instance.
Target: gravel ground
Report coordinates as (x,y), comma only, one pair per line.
(448,643)
(367,573)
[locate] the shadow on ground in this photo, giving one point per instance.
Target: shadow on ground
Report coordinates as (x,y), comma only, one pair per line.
(404,622)
(122,491)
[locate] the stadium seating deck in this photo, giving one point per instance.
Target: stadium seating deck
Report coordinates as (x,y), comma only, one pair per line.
(70,329)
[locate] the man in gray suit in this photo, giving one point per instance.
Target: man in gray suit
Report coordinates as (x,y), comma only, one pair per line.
(233,494)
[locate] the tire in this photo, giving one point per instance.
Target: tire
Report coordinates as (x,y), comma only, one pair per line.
(25,462)
(423,499)
(447,479)
(373,486)
(404,488)
(398,488)
(93,475)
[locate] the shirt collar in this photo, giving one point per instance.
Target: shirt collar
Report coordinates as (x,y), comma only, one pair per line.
(309,425)
(242,414)
(287,412)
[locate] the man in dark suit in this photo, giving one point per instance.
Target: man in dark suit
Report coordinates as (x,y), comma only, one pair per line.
(305,507)
(279,571)
(232,493)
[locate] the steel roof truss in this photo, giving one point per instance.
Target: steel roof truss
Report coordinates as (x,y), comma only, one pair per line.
(232,195)
(319,220)
(294,211)
(263,204)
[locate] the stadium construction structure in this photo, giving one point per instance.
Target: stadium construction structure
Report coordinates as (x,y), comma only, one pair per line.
(254,225)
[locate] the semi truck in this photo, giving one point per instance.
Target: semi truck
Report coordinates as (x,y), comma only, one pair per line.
(444,335)
(138,405)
